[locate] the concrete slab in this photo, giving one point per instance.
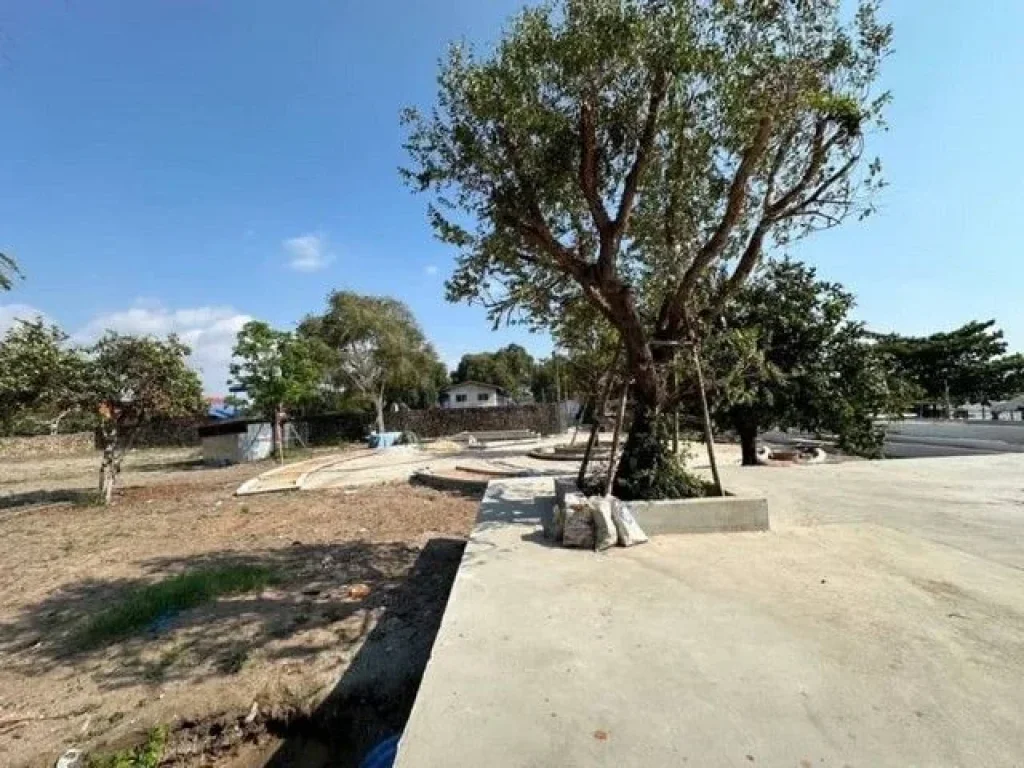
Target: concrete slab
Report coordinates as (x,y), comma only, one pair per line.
(859,643)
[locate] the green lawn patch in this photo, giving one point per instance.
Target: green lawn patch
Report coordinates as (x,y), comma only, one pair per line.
(140,608)
(146,755)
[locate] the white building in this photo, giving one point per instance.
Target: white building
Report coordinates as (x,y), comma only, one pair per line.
(474,394)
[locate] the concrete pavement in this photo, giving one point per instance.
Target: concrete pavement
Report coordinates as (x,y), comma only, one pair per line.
(880,623)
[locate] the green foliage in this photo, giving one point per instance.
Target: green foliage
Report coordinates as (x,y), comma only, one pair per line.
(139,609)
(967,365)
(648,470)
(39,372)
(511,368)
(377,350)
(277,368)
(8,272)
(146,755)
(131,379)
(639,157)
(791,357)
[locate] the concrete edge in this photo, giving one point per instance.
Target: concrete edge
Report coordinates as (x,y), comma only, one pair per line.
(722,514)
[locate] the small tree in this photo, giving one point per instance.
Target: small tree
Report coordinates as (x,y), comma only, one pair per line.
(640,156)
(278,371)
(129,380)
(790,356)
(38,372)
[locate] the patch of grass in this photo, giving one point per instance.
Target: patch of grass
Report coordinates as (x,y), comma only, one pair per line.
(233,662)
(164,599)
(146,755)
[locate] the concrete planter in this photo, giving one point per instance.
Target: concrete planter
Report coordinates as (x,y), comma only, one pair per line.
(719,514)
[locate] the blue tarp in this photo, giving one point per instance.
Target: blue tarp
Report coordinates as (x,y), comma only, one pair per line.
(383,439)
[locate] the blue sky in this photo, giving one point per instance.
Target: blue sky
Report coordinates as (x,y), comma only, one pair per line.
(185,164)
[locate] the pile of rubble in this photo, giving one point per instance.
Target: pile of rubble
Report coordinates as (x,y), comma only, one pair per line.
(597,522)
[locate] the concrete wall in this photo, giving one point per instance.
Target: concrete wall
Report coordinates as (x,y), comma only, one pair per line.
(46,445)
(438,422)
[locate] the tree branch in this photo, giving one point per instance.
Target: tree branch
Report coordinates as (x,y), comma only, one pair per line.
(736,200)
(659,89)
(589,183)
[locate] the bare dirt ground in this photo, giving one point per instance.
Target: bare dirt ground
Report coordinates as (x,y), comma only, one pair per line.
(311,671)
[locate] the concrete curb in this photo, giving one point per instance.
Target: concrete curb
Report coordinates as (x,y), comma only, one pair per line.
(723,514)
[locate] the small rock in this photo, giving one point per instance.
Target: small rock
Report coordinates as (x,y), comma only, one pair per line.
(73,758)
(359,591)
(253,713)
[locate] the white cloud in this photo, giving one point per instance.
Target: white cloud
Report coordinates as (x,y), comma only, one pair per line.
(430,269)
(307,253)
(10,313)
(209,331)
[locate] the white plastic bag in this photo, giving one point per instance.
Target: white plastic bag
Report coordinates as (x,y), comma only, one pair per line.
(579,522)
(605,532)
(626,526)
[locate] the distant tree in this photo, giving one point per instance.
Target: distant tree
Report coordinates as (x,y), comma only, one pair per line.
(279,371)
(128,381)
(550,382)
(789,356)
(377,350)
(8,272)
(125,380)
(966,365)
(510,368)
(39,373)
(641,156)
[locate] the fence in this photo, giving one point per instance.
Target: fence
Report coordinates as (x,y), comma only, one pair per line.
(438,422)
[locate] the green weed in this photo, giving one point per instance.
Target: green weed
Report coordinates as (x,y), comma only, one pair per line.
(146,755)
(164,599)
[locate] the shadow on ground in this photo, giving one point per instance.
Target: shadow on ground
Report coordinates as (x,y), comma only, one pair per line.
(31,498)
(389,597)
(374,697)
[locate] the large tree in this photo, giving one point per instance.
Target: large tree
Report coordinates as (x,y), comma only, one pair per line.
(966,365)
(788,355)
(640,155)
(379,351)
(279,372)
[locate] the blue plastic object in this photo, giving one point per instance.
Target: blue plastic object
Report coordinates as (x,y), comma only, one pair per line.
(383,755)
(383,439)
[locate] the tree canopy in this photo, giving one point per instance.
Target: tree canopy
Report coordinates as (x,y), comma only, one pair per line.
(790,356)
(966,365)
(276,369)
(511,368)
(380,336)
(641,156)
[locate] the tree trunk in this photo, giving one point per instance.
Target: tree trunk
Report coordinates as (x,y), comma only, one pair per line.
(378,403)
(109,464)
(279,433)
(748,444)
